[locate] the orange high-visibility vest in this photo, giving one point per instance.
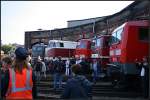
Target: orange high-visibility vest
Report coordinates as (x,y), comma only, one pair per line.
(20,85)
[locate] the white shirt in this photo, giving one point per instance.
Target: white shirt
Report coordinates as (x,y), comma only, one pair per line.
(142,71)
(67,63)
(95,66)
(43,67)
(78,61)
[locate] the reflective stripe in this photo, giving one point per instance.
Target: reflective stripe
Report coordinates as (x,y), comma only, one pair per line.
(27,87)
(28,79)
(13,79)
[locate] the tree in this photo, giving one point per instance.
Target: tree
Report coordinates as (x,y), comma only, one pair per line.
(6,48)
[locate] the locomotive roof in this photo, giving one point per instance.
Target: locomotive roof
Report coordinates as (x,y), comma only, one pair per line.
(119,27)
(61,41)
(135,23)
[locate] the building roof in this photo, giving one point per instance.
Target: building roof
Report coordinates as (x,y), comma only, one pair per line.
(87,19)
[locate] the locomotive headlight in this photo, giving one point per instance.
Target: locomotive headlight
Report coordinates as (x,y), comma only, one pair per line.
(82,56)
(94,56)
(111,52)
(76,56)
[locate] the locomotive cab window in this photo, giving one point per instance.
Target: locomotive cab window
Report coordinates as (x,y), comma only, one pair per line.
(99,42)
(33,48)
(54,44)
(106,43)
(116,36)
(51,44)
(83,45)
(143,34)
(93,45)
(61,45)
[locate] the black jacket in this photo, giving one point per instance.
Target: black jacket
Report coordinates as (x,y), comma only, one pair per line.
(59,66)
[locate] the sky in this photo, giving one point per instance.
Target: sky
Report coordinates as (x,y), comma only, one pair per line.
(17,17)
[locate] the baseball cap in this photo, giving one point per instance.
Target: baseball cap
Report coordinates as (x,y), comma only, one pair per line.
(21,53)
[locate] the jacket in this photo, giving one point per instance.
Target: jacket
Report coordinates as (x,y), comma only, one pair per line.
(77,87)
(5,84)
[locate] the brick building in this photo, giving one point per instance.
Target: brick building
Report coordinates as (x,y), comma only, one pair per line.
(91,27)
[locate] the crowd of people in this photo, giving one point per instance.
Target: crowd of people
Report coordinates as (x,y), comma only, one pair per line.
(19,76)
(18,79)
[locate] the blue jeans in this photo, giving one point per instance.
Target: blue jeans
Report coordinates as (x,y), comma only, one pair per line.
(95,72)
(57,80)
(38,74)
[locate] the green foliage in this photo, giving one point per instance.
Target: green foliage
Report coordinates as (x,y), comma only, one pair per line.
(7,48)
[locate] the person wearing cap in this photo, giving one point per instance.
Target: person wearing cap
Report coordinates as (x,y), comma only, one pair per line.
(19,80)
